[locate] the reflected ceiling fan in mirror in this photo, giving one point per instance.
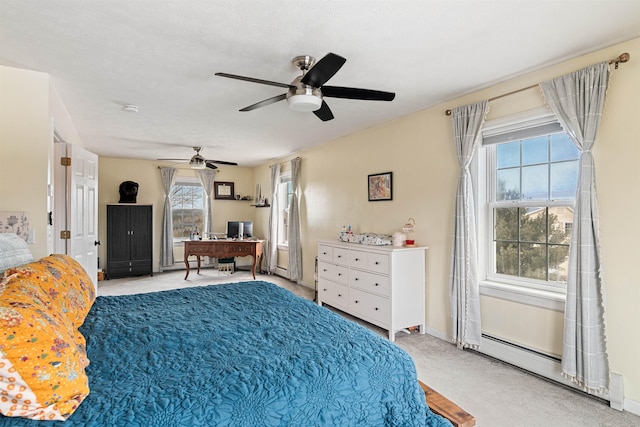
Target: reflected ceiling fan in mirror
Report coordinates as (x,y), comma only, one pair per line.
(199,162)
(307,92)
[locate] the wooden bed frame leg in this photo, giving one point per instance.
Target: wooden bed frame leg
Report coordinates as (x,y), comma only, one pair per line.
(446,408)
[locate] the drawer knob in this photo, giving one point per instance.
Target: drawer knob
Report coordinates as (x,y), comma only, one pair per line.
(324,269)
(339,256)
(339,274)
(377,263)
(357,259)
(376,308)
(377,284)
(324,290)
(324,253)
(357,279)
(356,301)
(339,295)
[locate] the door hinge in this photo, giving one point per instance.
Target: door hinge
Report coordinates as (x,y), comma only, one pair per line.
(65,234)
(65,161)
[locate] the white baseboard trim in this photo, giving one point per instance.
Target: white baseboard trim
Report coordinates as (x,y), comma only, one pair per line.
(632,406)
(546,367)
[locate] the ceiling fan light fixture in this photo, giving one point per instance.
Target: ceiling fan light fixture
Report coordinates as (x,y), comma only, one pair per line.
(304,102)
(197,162)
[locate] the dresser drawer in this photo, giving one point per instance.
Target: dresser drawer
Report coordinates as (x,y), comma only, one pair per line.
(370,282)
(373,307)
(358,259)
(332,293)
(337,273)
(378,263)
(325,253)
(341,256)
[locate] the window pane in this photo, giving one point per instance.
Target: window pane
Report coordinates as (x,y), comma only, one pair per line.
(507,258)
(560,224)
(535,182)
(506,224)
(558,262)
(562,148)
(564,180)
(508,184)
(535,150)
(508,155)
(533,262)
(533,225)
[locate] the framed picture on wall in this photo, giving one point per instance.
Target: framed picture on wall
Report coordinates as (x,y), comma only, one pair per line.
(223,190)
(379,186)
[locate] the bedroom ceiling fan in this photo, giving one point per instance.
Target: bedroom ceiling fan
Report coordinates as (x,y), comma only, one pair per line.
(199,162)
(307,92)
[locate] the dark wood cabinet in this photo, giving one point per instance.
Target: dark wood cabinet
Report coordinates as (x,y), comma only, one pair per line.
(129,240)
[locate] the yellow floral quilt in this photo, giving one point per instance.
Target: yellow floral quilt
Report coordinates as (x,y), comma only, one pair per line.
(42,353)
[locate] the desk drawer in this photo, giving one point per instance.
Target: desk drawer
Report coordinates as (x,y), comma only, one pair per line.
(200,249)
(236,250)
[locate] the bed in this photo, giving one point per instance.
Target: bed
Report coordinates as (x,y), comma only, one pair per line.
(238,354)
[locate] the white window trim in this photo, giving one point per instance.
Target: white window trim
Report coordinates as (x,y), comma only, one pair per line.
(530,292)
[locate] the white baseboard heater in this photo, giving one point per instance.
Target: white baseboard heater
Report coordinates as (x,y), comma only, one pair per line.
(544,365)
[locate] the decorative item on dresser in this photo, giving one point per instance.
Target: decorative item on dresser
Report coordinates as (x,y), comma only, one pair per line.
(129,240)
(383,285)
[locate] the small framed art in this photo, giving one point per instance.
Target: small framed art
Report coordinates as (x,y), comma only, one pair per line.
(380,187)
(223,190)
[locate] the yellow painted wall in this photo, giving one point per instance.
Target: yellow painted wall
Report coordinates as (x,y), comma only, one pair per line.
(25,149)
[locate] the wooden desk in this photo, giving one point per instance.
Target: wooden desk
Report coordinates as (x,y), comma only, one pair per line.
(222,249)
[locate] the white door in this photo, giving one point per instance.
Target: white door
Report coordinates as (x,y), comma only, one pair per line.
(77,206)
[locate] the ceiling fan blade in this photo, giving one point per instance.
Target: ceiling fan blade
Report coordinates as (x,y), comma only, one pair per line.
(211,165)
(265,102)
(323,70)
(324,113)
(251,79)
(221,162)
(356,93)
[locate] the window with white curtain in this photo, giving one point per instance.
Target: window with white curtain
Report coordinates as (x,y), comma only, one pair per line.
(527,178)
(187,208)
(285,192)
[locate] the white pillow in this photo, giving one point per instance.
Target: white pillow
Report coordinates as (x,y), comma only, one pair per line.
(13,251)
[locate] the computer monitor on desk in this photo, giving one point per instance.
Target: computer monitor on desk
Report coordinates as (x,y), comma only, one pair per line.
(239,229)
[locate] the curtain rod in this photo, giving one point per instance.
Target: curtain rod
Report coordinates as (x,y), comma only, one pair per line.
(625,57)
(283,162)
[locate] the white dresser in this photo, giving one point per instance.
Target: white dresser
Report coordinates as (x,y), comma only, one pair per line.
(383,285)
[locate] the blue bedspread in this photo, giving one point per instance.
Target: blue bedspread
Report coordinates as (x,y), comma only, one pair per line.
(240,354)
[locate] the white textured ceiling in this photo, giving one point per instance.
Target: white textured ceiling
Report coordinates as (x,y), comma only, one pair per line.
(162,55)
